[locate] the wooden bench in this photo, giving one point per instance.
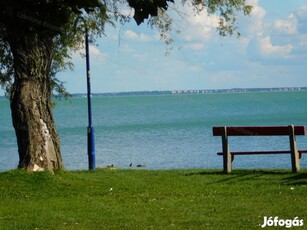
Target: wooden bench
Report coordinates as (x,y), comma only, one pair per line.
(290,131)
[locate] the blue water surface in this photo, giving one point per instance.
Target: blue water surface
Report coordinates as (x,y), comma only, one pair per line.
(167,131)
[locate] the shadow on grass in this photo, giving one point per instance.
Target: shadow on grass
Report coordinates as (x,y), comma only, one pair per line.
(249,175)
(297,179)
(241,172)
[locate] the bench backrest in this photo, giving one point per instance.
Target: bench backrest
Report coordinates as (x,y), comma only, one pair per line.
(258,131)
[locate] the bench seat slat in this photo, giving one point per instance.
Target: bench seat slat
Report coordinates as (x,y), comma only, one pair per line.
(258,131)
(262,152)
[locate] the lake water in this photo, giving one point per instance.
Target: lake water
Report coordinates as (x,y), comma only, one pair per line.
(167,131)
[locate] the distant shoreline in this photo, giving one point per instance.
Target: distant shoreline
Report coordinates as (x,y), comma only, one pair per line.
(192,92)
(204,91)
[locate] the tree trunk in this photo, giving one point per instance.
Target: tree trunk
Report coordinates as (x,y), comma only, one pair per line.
(31,106)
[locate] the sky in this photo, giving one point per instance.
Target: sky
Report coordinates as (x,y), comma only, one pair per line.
(271,52)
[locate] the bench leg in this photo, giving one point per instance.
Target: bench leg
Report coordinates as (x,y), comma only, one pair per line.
(227,159)
(295,156)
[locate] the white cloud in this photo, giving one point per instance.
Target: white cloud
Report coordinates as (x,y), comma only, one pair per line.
(288,26)
(255,21)
(195,27)
(301,16)
(95,51)
(302,12)
(131,35)
(273,40)
(96,55)
(201,27)
(268,49)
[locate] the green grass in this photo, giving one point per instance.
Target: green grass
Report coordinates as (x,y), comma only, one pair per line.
(144,199)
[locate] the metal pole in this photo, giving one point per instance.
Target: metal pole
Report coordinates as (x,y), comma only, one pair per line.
(90,128)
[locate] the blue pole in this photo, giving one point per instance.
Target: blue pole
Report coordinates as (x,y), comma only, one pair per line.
(90,128)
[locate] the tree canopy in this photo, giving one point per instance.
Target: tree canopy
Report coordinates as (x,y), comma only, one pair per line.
(37,38)
(63,21)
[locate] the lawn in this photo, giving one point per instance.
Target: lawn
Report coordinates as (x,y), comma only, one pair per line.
(150,199)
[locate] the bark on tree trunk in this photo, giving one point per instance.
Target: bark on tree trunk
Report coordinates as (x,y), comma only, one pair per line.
(37,139)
